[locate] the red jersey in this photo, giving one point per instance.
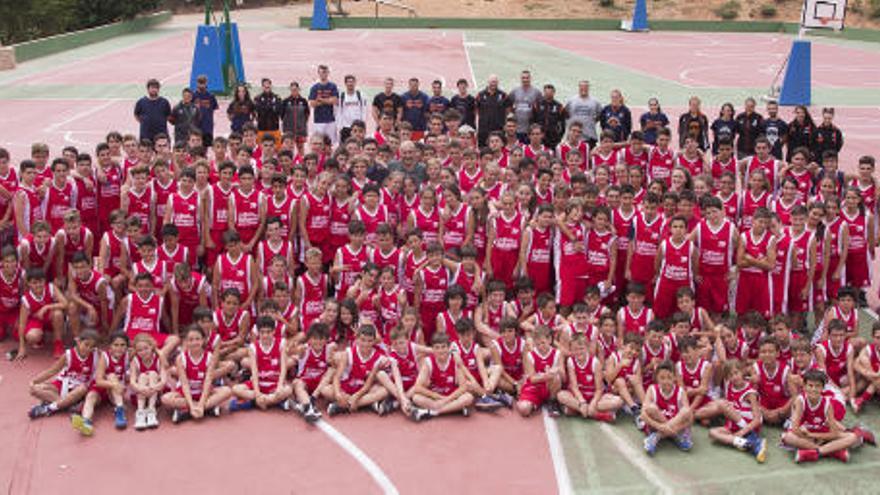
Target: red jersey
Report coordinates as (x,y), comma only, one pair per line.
(218,207)
(868,193)
(623,224)
(157,270)
(10,183)
(355,262)
(435,281)
(186,216)
(468,181)
(87,289)
(359,367)
(392,203)
(598,251)
(783,210)
(815,416)
(858,231)
(228,328)
(108,191)
(340,216)
(443,379)
(716,247)
(511,358)
(668,404)
(428,223)
(585,374)
(143,315)
(313,365)
(37,256)
(738,398)
(173,258)
(163,192)
(749,203)
(730,205)
(281,210)
(117,367)
(392,259)
(268,364)
(804,184)
(141,205)
(694,166)
(718,168)
(115,248)
(660,165)
(10,291)
(631,159)
(469,358)
(372,220)
(650,354)
(835,361)
(770,167)
(564,147)
(72,245)
(86,200)
(455,228)
(318,219)
(389,311)
(247,213)
(692,378)
(675,265)
(58,201)
(78,370)
(597,159)
(410,265)
(312,292)
(772,390)
(467,281)
(636,323)
(189,297)
(196,370)
(508,232)
(33,206)
(266,252)
(756,248)
(235,274)
(407,365)
(646,241)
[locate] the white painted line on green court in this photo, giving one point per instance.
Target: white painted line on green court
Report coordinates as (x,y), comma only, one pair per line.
(362,458)
(563,481)
(637,459)
(467,55)
(475,43)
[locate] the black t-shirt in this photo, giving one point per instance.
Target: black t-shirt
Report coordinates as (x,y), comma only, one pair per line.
(465,105)
(387,103)
(775,130)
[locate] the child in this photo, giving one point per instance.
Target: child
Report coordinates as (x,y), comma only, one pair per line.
(845,311)
(586,393)
(187,290)
(89,294)
(542,373)
(413,258)
(279,203)
(648,226)
(601,251)
(675,267)
(815,431)
(184,209)
(693,373)
(534,255)
(623,371)
(71,376)
(756,259)
(171,252)
(37,249)
(490,314)
(354,381)
(235,269)
(244,212)
(544,316)
(195,394)
(482,380)
(113,258)
(109,386)
(313,374)
(42,309)
(363,293)
(568,256)
(867,368)
(11,284)
(275,244)
(770,376)
(139,200)
(150,264)
(801,268)
(654,351)
(431,283)
(507,353)
(231,322)
(834,356)
(445,321)
(634,317)
(666,411)
(59,194)
(142,310)
(350,259)
(311,289)
(216,204)
(715,239)
(72,238)
(742,411)
(661,158)
(504,241)
(371,212)
(268,385)
(441,387)
(467,275)
(405,357)
(860,249)
(148,376)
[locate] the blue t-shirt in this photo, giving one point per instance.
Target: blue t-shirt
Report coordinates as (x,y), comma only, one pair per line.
(207,104)
(414,106)
(659,119)
(153,115)
(323,113)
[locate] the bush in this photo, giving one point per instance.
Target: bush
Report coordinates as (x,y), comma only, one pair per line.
(874,9)
(728,10)
(606,3)
(768,10)
(24,20)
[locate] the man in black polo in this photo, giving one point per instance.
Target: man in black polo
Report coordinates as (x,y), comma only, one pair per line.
(269,107)
(550,115)
(492,109)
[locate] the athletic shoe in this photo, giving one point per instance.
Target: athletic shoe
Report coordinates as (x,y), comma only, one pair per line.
(487,404)
(759,449)
(57,349)
(379,407)
(841,455)
(391,404)
(806,455)
(465,412)
(215,411)
(639,422)
(856,404)
(865,434)
(236,405)
(553,408)
(300,408)
(152,419)
(626,410)
(79,424)
(285,405)
(333,409)
(504,398)
(311,414)
(683,441)
(140,419)
(177,416)
(11,354)
(605,417)
(40,411)
(119,418)
(418,414)
(651,443)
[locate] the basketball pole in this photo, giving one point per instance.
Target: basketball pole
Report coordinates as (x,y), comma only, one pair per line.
(797,82)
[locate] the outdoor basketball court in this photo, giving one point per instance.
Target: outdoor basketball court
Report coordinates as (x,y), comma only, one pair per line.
(75,97)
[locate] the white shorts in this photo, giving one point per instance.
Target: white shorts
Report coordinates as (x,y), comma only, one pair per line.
(327,129)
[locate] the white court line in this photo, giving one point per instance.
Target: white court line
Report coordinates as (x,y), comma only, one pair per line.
(467,56)
(637,459)
(363,459)
(85,113)
(563,480)
(68,138)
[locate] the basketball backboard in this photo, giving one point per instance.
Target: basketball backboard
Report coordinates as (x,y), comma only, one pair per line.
(823,14)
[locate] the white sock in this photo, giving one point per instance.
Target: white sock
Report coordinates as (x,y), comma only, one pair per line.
(739,442)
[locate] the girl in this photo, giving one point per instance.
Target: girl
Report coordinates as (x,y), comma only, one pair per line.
(800,130)
(729,199)
(837,246)
(109,386)
(446,320)
(569,257)
(147,378)
(454,222)
(815,214)
(725,127)
(601,250)
(860,223)
(756,196)
(798,171)
(426,217)
(653,120)
(347,324)
(674,267)
(195,394)
(478,220)
(504,238)
(741,409)
(783,205)
(534,255)
(67,381)
(342,204)
(314,219)
(690,158)
(408,200)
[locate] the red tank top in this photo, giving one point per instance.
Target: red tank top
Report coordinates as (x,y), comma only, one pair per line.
(115,246)
(359,367)
(144,367)
(266,252)
(143,314)
(800,247)
(313,365)
(750,204)
(108,191)
(858,231)
(86,199)
(157,270)
(268,363)
(318,220)
(189,297)
(78,370)
(247,209)
(565,147)
(814,417)
(730,205)
(35,303)
(692,378)
(716,247)
(228,328)
(738,399)
(428,223)
(585,374)
(10,291)
(631,159)
(392,259)
(598,252)
(88,288)
(185,215)
(667,404)
(282,211)
(660,165)
(436,281)
(442,375)
(511,358)
(719,168)
(508,232)
(140,205)
(163,192)
(623,224)
(312,294)
(868,193)
(57,202)
(756,248)
(772,388)
(196,371)
(769,168)
(355,262)
(235,274)
(467,181)
(646,236)
(389,311)
(219,207)
(340,216)
(116,366)
(694,166)
(372,220)
(635,322)
(676,263)
(835,361)
(407,365)
(455,228)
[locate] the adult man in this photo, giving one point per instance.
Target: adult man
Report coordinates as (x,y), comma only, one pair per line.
(465,103)
(585,109)
(184,116)
(323,97)
(152,111)
(352,107)
(415,104)
(268,107)
(437,103)
(550,115)
(523,99)
(409,163)
(387,101)
(207,104)
(775,129)
(750,125)
(492,107)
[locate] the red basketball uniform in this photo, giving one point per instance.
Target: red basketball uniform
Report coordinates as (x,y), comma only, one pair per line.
(505,248)
(754,291)
(675,273)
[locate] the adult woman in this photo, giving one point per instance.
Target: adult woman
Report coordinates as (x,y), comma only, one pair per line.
(652,120)
(826,136)
(241,109)
(724,127)
(800,130)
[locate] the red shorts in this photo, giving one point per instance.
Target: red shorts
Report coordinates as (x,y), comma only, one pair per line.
(570,286)
(311,383)
(8,319)
(212,254)
(264,390)
(64,385)
(428,314)
(44,325)
(712,293)
(534,393)
(665,302)
(541,275)
(780,293)
(753,293)
(195,396)
(246,234)
(503,264)
(797,280)
(351,386)
(858,270)
(733,428)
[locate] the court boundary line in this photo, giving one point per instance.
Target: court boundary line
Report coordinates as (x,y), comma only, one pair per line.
(361,457)
(637,459)
(467,57)
(557,455)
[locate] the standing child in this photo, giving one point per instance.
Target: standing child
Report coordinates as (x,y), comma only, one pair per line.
(860,250)
(648,226)
(311,289)
(113,259)
(534,255)
(600,246)
(504,241)
(801,268)
(109,386)
(715,239)
(569,259)
(148,376)
(235,269)
(67,381)
(187,291)
(195,394)
(634,317)
(431,283)
(666,411)
(244,209)
(350,259)
(185,210)
(675,266)
(756,259)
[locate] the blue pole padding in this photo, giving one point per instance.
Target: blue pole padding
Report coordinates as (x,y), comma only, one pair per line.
(640,16)
(796,85)
(208,58)
(320,17)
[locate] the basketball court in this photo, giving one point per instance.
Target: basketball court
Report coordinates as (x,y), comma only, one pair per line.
(76,97)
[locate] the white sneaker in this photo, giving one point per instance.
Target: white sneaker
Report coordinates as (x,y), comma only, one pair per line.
(152,419)
(140,419)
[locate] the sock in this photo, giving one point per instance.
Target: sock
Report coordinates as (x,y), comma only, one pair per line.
(739,442)
(741,423)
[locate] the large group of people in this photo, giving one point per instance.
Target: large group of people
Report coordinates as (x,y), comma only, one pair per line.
(473,253)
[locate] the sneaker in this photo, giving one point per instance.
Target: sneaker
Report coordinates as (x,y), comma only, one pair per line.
(11,354)
(152,419)
(333,409)
(487,404)
(626,410)
(140,419)
(683,441)
(553,409)
(418,414)
(40,411)
(57,349)
(119,418)
(82,425)
(379,407)
(177,416)
(300,408)
(759,448)
(640,424)
(504,398)
(605,417)
(865,434)
(651,444)
(841,455)
(390,404)
(240,405)
(215,411)
(465,412)
(806,455)
(311,414)
(285,405)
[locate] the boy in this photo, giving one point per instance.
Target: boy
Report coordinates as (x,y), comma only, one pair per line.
(507,353)
(313,373)
(543,374)
(184,210)
(482,380)
(867,368)
(693,374)
(42,308)
(268,385)
(441,387)
(535,249)
(244,212)
(350,259)
(109,176)
(170,251)
(815,431)
(675,266)
(142,311)
(648,226)
(715,238)
(27,207)
(139,200)
(89,294)
(756,259)
(60,195)
(150,264)
(740,408)
(489,315)
(11,284)
(835,356)
(235,269)
(623,371)
(216,213)
(586,393)
(354,382)
(71,239)
(275,244)
(68,380)
(232,322)
(187,290)
(770,376)
(311,289)
(431,283)
(666,411)
(655,350)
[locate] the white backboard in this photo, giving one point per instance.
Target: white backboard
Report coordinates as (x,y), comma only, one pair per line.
(823,14)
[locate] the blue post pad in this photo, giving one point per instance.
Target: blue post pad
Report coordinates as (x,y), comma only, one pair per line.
(237,60)
(208,58)
(320,17)
(796,85)
(640,16)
